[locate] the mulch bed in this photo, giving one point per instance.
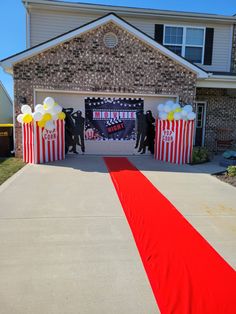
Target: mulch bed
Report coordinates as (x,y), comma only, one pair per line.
(224,177)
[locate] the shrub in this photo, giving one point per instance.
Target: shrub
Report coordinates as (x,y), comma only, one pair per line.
(231,171)
(200,154)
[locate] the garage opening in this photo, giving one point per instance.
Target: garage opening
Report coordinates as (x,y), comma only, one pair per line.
(106,124)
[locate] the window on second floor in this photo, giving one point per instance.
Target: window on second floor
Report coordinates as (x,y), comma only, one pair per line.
(186,41)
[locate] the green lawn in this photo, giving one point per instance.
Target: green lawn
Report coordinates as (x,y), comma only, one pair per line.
(9,166)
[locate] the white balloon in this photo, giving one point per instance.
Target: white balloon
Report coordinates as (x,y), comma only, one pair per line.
(169,103)
(188,108)
(26,109)
(177,115)
(184,113)
(191,116)
(37,116)
(20,118)
(57,109)
(163,115)
(49,102)
(51,111)
(55,117)
(49,125)
(160,107)
(175,106)
(167,108)
(39,108)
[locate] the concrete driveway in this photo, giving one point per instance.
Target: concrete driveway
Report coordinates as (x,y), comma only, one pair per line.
(65,245)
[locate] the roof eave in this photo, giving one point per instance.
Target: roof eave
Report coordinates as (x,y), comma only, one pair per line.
(127,10)
(8,63)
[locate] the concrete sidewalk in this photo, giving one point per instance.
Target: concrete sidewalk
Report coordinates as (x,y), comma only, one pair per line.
(65,245)
(206,202)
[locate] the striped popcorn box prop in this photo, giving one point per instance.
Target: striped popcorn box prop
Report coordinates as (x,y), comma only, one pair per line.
(41,145)
(43,132)
(174,141)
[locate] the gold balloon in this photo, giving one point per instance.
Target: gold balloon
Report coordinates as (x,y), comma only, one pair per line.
(41,123)
(178,110)
(47,117)
(27,118)
(170,116)
(45,107)
(61,116)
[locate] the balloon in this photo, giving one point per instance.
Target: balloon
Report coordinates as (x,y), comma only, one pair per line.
(61,116)
(55,117)
(39,108)
(57,109)
(177,116)
(188,108)
(49,102)
(49,125)
(170,116)
(169,103)
(20,118)
(26,109)
(41,123)
(191,116)
(167,108)
(176,106)
(178,110)
(184,113)
(51,111)
(37,116)
(163,115)
(47,117)
(160,107)
(27,118)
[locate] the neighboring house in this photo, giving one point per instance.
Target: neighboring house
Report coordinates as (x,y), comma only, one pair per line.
(6,123)
(83,50)
(6,107)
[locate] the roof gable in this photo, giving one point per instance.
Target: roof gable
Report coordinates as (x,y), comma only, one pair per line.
(8,63)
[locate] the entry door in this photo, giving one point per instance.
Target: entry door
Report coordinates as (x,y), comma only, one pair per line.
(200,123)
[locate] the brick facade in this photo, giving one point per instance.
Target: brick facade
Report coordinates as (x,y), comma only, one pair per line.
(86,64)
(233,59)
(220,113)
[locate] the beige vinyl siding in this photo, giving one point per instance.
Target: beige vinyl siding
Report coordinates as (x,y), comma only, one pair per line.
(6,107)
(45,25)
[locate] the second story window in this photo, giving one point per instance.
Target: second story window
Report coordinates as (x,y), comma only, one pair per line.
(185,41)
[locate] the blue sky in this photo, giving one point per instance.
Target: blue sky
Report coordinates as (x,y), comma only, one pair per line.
(12,21)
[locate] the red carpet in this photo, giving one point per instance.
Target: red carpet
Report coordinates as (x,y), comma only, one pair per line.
(186,274)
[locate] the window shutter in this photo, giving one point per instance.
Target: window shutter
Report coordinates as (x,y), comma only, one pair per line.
(159,29)
(208,46)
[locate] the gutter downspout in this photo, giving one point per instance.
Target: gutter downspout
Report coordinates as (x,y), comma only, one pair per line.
(27,25)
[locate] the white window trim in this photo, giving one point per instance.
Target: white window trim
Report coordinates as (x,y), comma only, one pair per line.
(184,45)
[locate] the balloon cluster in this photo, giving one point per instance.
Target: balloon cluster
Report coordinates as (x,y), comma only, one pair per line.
(173,111)
(44,115)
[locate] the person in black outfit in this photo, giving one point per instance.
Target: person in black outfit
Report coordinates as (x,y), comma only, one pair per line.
(141,132)
(69,129)
(150,131)
(79,130)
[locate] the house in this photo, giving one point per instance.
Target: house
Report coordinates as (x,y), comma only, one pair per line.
(85,54)
(6,123)
(6,106)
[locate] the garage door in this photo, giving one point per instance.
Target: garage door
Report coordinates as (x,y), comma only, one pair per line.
(110,146)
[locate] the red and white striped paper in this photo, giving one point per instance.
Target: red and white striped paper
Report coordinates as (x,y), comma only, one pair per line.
(174,141)
(40,145)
